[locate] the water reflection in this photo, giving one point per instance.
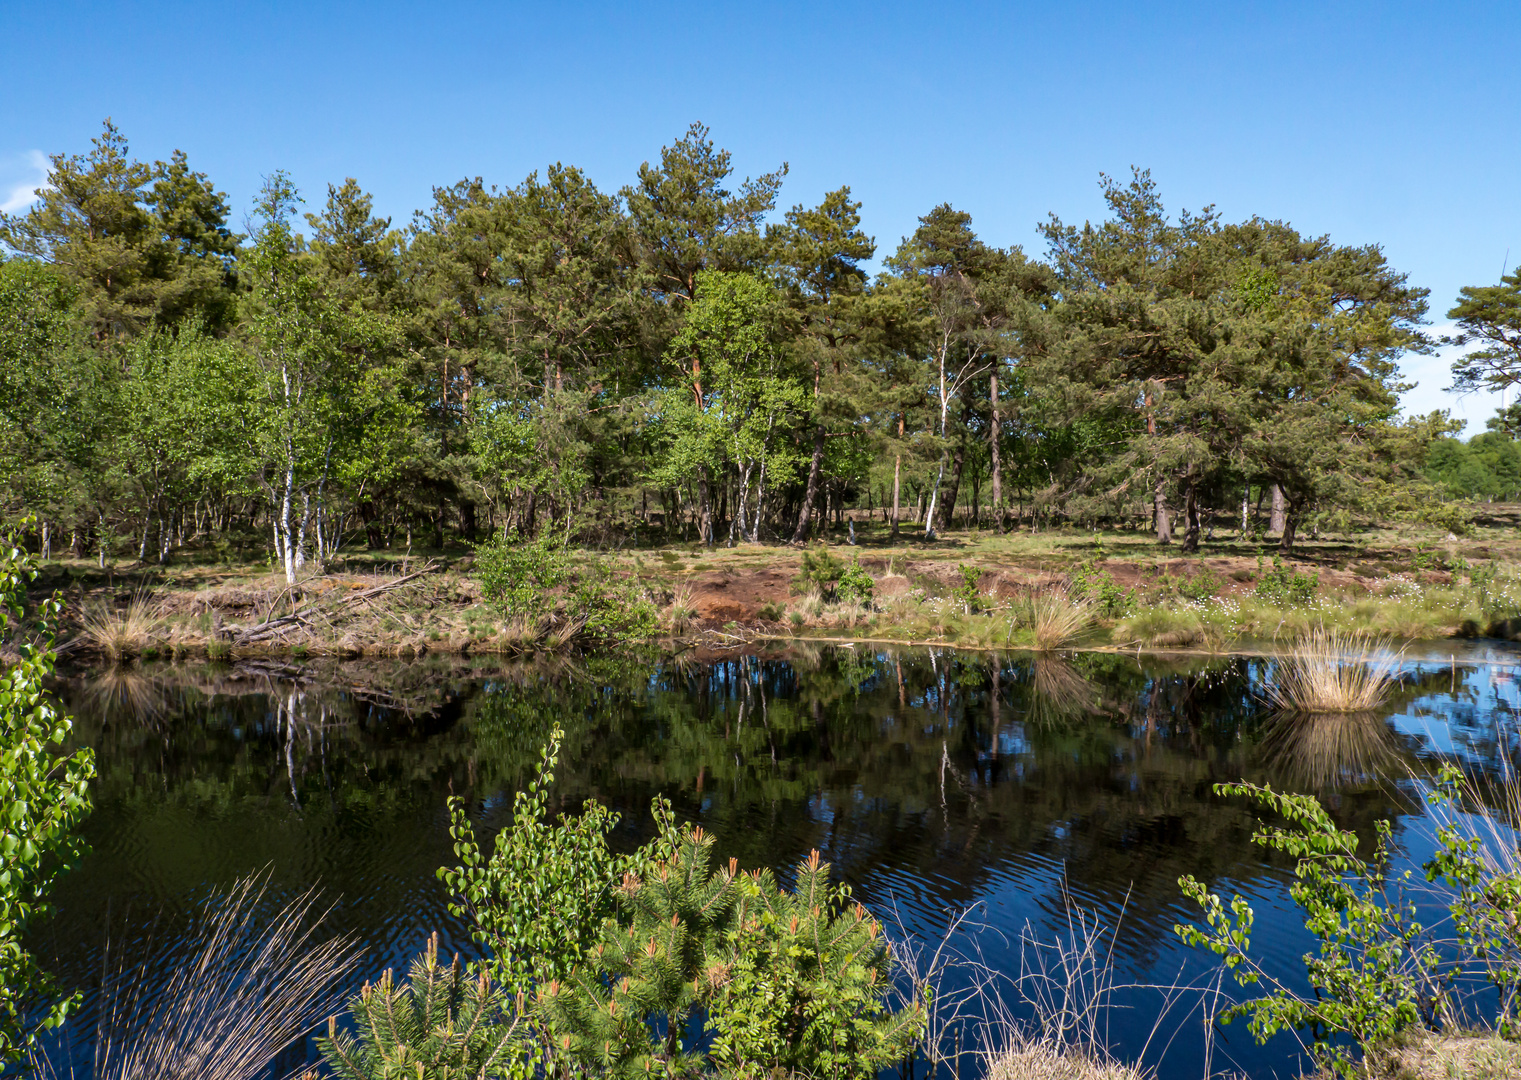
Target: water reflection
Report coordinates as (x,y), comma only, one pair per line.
(932,780)
(1319,752)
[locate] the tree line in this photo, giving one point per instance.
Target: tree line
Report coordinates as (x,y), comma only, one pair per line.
(679,360)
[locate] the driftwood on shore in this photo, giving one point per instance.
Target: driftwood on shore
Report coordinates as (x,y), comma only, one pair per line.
(302,616)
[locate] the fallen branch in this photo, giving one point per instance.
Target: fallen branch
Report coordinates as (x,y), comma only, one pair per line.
(271,627)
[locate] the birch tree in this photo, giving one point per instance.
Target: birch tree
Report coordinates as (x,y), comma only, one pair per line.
(315,389)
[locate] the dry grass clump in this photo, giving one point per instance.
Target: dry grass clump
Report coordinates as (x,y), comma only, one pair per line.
(1045,1060)
(121,635)
(1318,676)
(1446,1057)
(249,983)
(1058,619)
(680,612)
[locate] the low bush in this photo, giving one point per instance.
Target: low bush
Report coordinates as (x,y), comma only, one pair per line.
(968,594)
(655,963)
(1285,585)
(441,1025)
(1204,585)
(1108,597)
(516,574)
(1379,976)
(855,585)
(819,570)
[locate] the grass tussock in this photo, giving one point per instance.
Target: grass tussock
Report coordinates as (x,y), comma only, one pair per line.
(680,612)
(1446,1057)
(121,634)
(1330,671)
(1045,1060)
(1058,620)
(248,983)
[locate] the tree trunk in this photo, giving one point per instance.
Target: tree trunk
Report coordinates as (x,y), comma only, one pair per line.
(948,508)
(897,488)
(705,507)
(995,460)
(1290,526)
(1276,522)
(1191,519)
(1159,512)
(800,534)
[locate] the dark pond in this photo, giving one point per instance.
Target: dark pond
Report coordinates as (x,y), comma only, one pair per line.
(931,780)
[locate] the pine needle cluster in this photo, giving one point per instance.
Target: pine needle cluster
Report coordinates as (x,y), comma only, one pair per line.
(788,982)
(445,1024)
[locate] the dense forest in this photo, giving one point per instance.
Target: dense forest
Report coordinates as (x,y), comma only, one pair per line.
(683,360)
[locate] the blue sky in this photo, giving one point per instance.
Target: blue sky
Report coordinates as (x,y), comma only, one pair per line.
(1390,123)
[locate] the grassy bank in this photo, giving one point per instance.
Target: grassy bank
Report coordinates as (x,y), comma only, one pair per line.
(1053,590)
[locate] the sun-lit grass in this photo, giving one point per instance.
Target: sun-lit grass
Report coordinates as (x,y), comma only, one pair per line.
(1330,671)
(680,612)
(121,635)
(1045,1060)
(1448,1057)
(1058,619)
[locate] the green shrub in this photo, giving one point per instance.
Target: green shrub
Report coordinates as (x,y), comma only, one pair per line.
(1371,969)
(968,595)
(443,1025)
(790,983)
(516,575)
(855,585)
(45,795)
(819,569)
(1285,585)
(1098,586)
(1205,585)
(613,610)
(539,900)
(1485,887)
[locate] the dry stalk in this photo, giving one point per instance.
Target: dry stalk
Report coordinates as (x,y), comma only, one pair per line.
(245,986)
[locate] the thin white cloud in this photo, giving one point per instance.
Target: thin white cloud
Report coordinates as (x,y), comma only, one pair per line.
(20,177)
(1432,376)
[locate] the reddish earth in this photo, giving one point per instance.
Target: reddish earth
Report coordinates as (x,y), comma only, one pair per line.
(738,593)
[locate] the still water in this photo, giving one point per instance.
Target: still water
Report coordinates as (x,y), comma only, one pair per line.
(933,781)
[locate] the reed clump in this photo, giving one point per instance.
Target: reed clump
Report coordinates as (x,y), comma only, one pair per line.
(121,635)
(1329,671)
(1044,1059)
(1058,619)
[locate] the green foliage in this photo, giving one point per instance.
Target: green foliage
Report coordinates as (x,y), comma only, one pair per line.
(1371,968)
(517,575)
(1485,904)
(855,585)
(819,569)
(801,984)
(789,982)
(613,609)
(968,594)
(1089,582)
(44,795)
(1204,585)
(539,900)
(443,1025)
(1285,585)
